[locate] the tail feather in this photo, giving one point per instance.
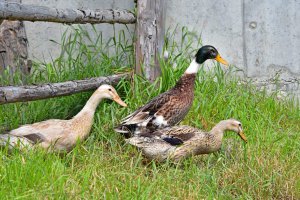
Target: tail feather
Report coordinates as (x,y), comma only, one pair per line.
(126,130)
(11,142)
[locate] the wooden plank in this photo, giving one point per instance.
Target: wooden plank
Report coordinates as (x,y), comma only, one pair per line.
(11,94)
(150,34)
(25,12)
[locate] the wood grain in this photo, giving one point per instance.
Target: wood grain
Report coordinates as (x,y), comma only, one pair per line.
(26,12)
(11,94)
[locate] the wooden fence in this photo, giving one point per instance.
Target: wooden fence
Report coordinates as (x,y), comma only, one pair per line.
(148,43)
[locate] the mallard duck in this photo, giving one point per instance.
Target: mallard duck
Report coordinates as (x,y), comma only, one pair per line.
(60,135)
(179,142)
(170,107)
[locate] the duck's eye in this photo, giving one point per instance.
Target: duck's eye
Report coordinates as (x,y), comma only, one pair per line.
(240,125)
(109,89)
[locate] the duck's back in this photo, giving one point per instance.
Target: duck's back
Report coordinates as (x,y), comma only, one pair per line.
(50,128)
(167,109)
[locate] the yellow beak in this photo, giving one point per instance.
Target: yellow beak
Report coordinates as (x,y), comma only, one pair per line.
(242,135)
(221,60)
(119,101)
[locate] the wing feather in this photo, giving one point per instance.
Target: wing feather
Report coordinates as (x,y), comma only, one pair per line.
(35,138)
(175,135)
(147,111)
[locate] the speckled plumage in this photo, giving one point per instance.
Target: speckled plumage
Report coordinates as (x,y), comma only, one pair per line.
(172,105)
(59,135)
(163,143)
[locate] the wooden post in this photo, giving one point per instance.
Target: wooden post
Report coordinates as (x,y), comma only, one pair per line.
(13,46)
(150,35)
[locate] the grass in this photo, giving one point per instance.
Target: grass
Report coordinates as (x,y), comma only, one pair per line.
(104,167)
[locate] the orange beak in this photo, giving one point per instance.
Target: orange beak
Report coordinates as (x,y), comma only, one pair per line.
(221,60)
(242,135)
(119,101)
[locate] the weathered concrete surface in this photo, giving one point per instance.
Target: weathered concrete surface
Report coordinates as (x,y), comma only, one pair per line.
(272,43)
(219,23)
(260,37)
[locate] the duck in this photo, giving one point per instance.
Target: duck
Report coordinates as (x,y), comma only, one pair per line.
(58,135)
(179,142)
(170,107)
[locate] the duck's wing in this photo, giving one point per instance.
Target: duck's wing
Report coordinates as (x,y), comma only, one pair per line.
(152,148)
(148,111)
(35,138)
(175,135)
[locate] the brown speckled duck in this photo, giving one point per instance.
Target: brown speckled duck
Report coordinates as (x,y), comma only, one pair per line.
(179,142)
(170,107)
(60,135)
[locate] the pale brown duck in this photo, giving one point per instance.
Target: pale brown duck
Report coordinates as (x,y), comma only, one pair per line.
(60,135)
(170,107)
(180,142)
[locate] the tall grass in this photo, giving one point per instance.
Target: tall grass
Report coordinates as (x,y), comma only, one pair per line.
(104,167)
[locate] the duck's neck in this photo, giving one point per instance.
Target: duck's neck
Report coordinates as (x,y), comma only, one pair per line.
(90,106)
(186,83)
(218,130)
(193,67)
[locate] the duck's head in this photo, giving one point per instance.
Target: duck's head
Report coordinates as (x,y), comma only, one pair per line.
(109,92)
(209,52)
(235,126)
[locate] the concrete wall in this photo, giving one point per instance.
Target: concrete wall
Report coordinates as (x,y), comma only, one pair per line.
(39,34)
(260,37)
